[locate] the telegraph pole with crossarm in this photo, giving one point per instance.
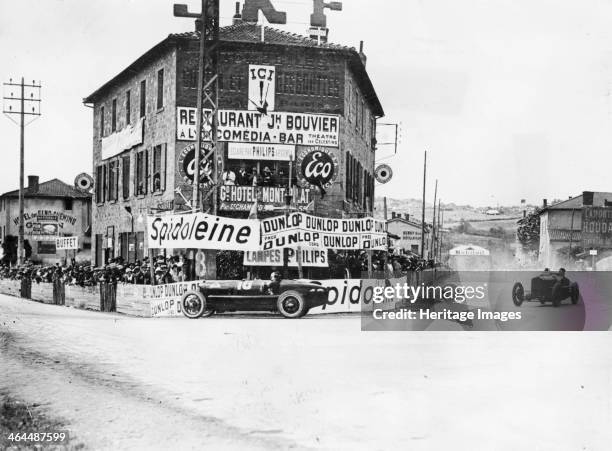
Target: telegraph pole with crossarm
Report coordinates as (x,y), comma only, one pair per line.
(22,105)
(208,94)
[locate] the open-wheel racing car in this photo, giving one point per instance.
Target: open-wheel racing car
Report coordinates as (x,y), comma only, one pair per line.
(547,287)
(291,298)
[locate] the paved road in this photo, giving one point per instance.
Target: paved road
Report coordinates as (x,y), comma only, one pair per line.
(316,383)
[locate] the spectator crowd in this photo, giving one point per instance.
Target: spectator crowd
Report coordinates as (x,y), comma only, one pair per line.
(166,270)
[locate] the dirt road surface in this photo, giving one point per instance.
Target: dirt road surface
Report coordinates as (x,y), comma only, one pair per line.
(318,383)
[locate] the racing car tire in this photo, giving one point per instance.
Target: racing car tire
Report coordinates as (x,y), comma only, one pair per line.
(575,293)
(292,305)
(191,311)
(556,294)
(518,294)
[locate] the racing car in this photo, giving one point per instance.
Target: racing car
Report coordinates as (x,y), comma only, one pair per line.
(547,287)
(291,298)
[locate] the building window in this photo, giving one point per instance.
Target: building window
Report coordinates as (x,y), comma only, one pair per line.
(160,89)
(142,173)
(114,116)
(126,177)
(159,168)
(143,98)
(102,121)
(99,184)
(128,107)
(68,204)
(113,180)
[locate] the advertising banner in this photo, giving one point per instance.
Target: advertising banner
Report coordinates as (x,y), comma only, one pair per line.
(597,227)
(45,225)
(262,88)
(127,138)
(300,229)
(311,258)
(202,231)
(246,151)
(255,127)
(317,167)
(242,198)
(165,300)
(67,243)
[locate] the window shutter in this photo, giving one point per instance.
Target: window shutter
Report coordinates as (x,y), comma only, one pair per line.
(164,156)
(136,173)
(105,196)
(146,171)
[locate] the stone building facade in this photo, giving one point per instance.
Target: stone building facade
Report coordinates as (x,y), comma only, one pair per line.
(408,233)
(144,132)
(561,228)
(51,209)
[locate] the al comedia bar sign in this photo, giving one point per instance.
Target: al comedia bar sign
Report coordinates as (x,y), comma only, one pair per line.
(274,128)
(202,231)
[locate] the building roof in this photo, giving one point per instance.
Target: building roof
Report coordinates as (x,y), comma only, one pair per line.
(251,33)
(407,222)
(52,188)
(575,203)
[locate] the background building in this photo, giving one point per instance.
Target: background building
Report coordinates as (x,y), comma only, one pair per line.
(286,98)
(51,209)
(409,233)
(561,226)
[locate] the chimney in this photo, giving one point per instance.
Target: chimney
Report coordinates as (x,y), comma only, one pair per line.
(587,198)
(237,19)
(33,183)
(545,203)
(407,216)
(364,59)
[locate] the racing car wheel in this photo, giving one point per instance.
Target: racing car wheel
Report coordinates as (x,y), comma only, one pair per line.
(193,304)
(574,293)
(292,304)
(518,294)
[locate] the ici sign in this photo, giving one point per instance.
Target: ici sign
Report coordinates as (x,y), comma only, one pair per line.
(251,8)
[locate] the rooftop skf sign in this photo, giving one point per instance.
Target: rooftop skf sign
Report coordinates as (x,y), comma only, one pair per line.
(251,8)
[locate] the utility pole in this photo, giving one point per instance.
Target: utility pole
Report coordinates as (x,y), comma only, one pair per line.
(17,105)
(423,208)
(433,224)
(208,94)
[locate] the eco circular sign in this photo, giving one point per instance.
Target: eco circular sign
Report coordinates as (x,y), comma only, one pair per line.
(186,165)
(318,167)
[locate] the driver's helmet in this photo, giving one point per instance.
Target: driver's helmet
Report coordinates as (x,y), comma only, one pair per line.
(275,276)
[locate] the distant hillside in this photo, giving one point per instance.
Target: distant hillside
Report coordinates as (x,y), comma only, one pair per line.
(453,213)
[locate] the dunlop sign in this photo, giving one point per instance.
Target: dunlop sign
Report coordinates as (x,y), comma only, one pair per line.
(272,128)
(597,227)
(300,229)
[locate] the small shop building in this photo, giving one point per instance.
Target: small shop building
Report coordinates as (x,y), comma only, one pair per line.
(52,209)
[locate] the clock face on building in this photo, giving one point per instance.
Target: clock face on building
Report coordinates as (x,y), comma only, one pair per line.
(262,88)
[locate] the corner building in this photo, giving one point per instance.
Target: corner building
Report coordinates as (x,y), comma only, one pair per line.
(285,103)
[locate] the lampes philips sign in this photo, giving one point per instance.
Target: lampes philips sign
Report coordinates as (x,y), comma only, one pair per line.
(241,126)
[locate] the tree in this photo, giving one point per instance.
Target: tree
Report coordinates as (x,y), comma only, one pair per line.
(528,231)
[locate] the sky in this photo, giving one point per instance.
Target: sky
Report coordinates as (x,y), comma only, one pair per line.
(510,98)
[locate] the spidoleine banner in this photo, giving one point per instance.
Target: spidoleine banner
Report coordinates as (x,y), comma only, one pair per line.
(203,231)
